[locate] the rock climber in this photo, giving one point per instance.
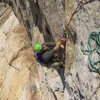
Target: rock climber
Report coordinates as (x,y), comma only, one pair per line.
(47,52)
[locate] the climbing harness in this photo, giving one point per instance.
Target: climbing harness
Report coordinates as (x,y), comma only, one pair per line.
(93,65)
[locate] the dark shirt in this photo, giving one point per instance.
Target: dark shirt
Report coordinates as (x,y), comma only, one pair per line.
(47,55)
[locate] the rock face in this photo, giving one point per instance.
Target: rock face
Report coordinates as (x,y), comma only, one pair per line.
(21,78)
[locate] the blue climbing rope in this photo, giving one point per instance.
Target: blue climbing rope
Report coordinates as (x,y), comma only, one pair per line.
(93,65)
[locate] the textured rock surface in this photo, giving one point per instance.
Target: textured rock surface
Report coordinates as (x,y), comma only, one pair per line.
(14,78)
(21,78)
(4,12)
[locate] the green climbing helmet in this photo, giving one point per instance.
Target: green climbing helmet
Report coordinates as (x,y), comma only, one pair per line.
(37,47)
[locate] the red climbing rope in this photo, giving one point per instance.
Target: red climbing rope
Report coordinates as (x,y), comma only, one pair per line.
(81,2)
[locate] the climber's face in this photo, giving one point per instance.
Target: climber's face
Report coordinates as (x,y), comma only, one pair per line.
(44,48)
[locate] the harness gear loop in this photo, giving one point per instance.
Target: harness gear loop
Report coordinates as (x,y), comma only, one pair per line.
(94,36)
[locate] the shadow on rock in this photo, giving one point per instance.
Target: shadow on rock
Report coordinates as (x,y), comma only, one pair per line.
(60,71)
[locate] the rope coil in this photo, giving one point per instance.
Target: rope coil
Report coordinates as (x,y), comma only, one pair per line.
(94,36)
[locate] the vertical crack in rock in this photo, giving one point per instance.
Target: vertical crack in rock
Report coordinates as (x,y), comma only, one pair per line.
(44,21)
(62,76)
(54,94)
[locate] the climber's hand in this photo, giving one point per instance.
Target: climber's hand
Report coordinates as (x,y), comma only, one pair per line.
(62,46)
(62,39)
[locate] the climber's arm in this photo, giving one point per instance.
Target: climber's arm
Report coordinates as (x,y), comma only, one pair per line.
(49,44)
(49,54)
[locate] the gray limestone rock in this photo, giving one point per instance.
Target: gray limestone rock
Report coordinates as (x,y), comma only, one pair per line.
(45,20)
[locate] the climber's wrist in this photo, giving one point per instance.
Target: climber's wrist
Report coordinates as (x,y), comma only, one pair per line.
(56,48)
(59,43)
